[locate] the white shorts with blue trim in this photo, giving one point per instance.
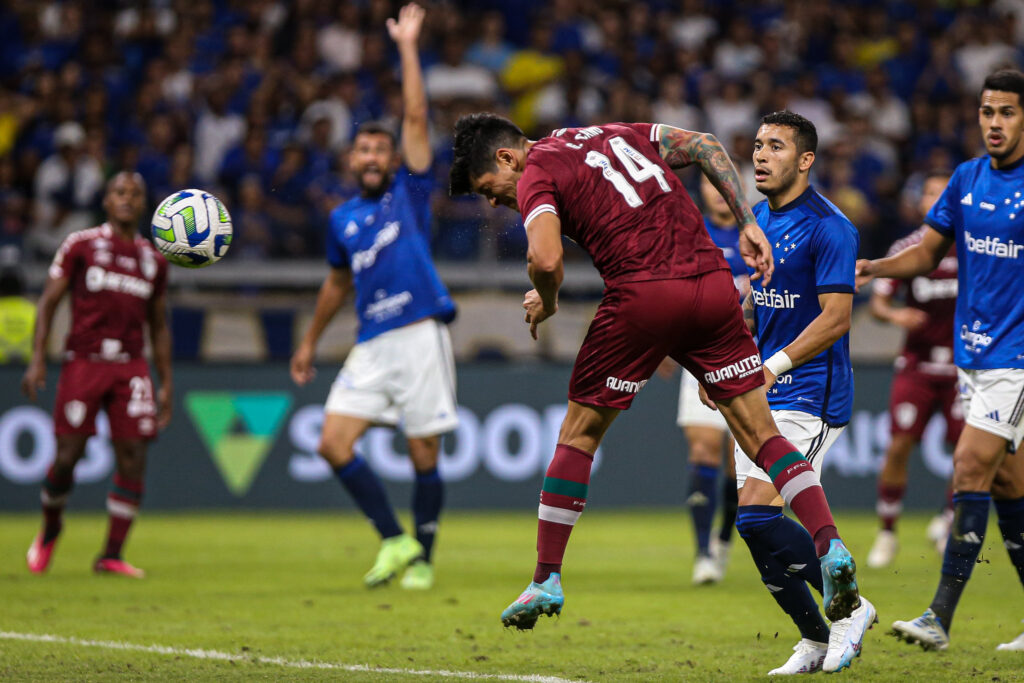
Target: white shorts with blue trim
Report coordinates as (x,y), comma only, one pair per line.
(993,401)
(693,413)
(404,377)
(808,433)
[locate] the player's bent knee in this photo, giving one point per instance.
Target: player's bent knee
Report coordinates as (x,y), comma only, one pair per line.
(336,455)
(970,473)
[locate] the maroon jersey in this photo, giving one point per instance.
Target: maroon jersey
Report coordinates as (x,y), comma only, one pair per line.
(618,199)
(112,281)
(929,348)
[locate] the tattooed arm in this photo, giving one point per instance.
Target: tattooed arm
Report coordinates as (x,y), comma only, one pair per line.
(680,148)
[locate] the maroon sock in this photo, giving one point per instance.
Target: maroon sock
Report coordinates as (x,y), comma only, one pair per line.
(56,487)
(562,499)
(798,485)
(890,504)
(122,504)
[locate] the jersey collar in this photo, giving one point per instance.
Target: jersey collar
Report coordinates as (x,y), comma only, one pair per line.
(1012,167)
(804,196)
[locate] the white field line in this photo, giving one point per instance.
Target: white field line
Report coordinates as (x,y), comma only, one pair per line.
(198,653)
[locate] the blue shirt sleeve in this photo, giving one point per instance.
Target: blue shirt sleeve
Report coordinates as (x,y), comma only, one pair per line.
(835,244)
(420,187)
(337,256)
(943,213)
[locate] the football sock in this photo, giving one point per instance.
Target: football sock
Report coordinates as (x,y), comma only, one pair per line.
(368,492)
(890,504)
(1011,523)
(769,539)
(730,502)
(702,504)
(562,499)
(798,485)
(427,499)
(56,487)
(122,504)
(970,517)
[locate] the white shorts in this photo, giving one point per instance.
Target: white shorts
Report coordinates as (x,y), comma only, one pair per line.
(404,376)
(993,401)
(809,434)
(693,413)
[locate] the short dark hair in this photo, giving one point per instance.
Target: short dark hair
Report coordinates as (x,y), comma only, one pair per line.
(1005,80)
(943,173)
(804,132)
(377,128)
(477,137)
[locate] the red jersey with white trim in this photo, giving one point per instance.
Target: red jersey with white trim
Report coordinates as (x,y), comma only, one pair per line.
(112,281)
(618,199)
(928,348)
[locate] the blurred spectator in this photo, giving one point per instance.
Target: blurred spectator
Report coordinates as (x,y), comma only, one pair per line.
(340,43)
(288,205)
(252,225)
(17,314)
(491,51)
(455,78)
(737,56)
(888,114)
(217,131)
(732,111)
(67,190)
(527,72)
(694,27)
(671,107)
(14,205)
(985,49)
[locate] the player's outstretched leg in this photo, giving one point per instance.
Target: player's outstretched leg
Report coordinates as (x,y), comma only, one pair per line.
(427,499)
(56,488)
(122,505)
(397,549)
(781,550)
(966,537)
(562,499)
(702,503)
(796,482)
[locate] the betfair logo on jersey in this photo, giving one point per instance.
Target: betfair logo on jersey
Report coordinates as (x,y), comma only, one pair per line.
(771,298)
(743,368)
(239,429)
(992,246)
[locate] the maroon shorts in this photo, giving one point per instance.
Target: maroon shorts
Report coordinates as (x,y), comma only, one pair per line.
(916,396)
(123,390)
(697,321)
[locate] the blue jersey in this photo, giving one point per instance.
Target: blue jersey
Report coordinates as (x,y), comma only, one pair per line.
(728,240)
(815,248)
(983,209)
(385,242)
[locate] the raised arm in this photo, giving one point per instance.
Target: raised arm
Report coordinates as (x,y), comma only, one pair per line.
(415,141)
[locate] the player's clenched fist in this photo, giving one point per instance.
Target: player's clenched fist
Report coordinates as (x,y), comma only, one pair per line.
(536,313)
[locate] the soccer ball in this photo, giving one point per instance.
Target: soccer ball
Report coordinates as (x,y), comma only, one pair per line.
(192,228)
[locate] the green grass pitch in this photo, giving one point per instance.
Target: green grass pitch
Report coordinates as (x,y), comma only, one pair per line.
(289,586)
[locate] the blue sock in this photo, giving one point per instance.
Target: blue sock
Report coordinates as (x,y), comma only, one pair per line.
(970,517)
(763,529)
(1011,523)
(702,501)
(427,499)
(369,494)
(730,503)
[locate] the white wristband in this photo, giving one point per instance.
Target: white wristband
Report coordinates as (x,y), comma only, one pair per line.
(779,363)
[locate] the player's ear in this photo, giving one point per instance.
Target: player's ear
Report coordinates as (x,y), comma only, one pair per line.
(505,157)
(806,161)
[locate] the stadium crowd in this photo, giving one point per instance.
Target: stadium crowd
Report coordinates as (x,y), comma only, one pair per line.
(257,100)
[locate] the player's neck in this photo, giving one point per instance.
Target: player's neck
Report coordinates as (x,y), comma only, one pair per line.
(1012,160)
(787,196)
(123,230)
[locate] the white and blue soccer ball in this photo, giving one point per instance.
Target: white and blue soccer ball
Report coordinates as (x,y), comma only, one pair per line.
(191,228)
